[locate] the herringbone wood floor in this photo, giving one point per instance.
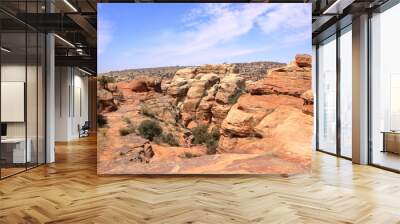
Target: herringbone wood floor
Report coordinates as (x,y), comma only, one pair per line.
(70,191)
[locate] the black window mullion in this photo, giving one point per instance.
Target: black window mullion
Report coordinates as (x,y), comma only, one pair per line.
(338,80)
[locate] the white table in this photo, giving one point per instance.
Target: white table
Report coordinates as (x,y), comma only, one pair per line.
(19,155)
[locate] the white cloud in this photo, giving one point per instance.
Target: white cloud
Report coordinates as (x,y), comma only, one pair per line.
(104,35)
(209,34)
(224,23)
(286,16)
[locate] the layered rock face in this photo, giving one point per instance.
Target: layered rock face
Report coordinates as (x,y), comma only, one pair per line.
(203,94)
(257,120)
(292,80)
(275,114)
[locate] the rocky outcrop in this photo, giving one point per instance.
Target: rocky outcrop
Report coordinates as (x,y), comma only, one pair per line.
(160,107)
(112,87)
(145,84)
(250,120)
(105,101)
(274,113)
(303,60)
(291,80)
(308,102)
(138,86)
(229,90)
(219,69)
(138,150)
(204,94)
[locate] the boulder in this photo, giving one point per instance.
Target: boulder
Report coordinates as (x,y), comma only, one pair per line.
(283,129)
(112,87)
(219,69)
(152,83)
(185,73)
(228,90)
(290,80)
(303,60)
(137,85)
(105,101)
(308,102)
(137,149)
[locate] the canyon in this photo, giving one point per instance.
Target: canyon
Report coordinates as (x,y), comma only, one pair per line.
(209,119)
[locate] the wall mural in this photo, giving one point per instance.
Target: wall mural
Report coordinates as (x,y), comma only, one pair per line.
(204,88)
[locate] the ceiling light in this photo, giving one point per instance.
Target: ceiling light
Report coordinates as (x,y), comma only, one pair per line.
(65,41)
(86,72)
(5,50)
(70,5)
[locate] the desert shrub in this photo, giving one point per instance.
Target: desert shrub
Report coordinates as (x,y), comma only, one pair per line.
(129,129)
(103,80)
(169,139)
(215,133)
(147,112)
(126,130)
(212,145)
(127,120)
(209,139)
(232,99)
(149,129)
(200,134)
(212,141)
(101,120)
(189,155)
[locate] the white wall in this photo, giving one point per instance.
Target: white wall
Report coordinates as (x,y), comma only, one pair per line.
(70,83)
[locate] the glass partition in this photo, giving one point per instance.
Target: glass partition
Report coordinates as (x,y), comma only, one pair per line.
(327,95)
(22,88)
(385,89)
(13,94)
(346,92)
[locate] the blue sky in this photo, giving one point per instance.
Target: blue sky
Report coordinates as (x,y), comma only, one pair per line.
(169,34)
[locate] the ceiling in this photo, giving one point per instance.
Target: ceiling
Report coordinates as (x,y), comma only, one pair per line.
(75,22)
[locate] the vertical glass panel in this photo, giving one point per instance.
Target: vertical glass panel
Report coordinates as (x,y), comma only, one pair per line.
(346,92)
(31,98)
(41,98)
(385,87)
(13,87)
(327,95)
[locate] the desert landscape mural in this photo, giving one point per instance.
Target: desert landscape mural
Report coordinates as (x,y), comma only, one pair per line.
(204,89)
(207,119)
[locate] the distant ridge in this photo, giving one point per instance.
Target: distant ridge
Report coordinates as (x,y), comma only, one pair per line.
(250,70)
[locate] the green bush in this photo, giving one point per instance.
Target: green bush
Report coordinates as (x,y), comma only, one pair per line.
(209,139)
(103,80)
(126,131)
(101,120)
(129,129)
(149,129)
(232,99)
(146,112)
(212,141)
(212,145)
(169,139)
(200,134)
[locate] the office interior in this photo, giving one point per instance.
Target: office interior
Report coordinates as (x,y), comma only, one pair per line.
(48,77)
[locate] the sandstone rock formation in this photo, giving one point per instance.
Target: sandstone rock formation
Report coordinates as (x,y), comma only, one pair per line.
(263,124)
(203,94)
(275,113)
(106,101)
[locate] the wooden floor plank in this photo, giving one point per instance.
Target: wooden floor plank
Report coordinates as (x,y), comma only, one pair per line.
(69,191)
